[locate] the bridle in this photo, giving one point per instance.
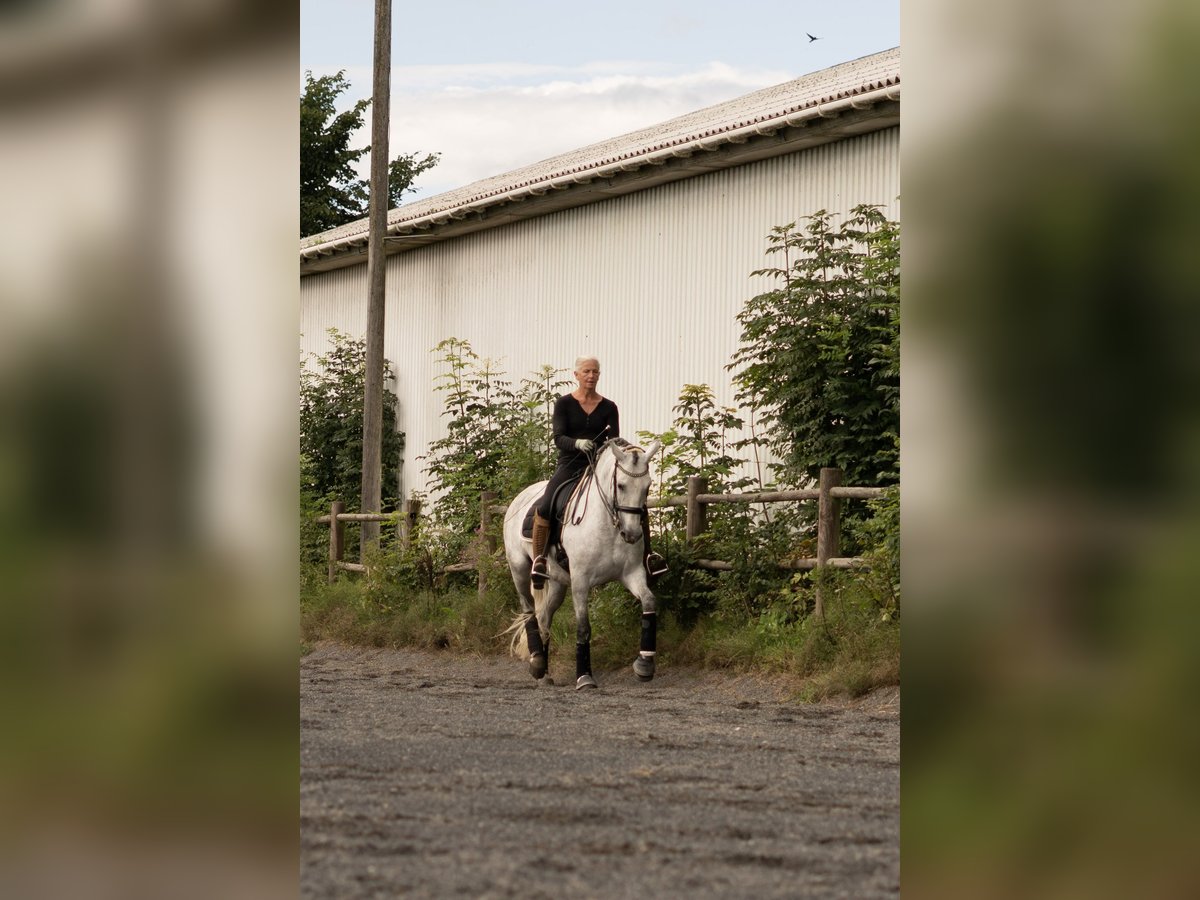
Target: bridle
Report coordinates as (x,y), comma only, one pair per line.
(611,506)
(614,508)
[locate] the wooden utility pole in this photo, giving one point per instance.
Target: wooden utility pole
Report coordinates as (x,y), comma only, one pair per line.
(372,461)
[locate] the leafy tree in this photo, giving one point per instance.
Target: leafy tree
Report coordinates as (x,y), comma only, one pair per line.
(529,451)
(701,445)
(331,422)
(819,354)
(497,438)
(697,444)
(478,407)
(330,195)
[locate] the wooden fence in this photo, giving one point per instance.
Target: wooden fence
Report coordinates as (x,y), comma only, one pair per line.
(829,493)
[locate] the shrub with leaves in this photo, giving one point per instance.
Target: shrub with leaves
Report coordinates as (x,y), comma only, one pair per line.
(528,449)
(697,444)
(331,424)
(314,536)
(497,438)
(478,410)
(819,353)
(880,533)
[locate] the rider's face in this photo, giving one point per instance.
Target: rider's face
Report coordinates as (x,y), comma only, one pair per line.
(588,375)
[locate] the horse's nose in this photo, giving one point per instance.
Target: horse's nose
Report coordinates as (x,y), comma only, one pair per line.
(631,538)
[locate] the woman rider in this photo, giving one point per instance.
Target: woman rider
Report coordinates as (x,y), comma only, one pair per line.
(582,422)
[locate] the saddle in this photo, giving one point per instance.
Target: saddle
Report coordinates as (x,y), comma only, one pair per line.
(558,506)
(562,496)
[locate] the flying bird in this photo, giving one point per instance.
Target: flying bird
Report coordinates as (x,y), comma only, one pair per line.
(811,38)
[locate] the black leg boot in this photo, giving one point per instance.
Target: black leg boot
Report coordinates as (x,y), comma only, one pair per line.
(539,655)
(583,666)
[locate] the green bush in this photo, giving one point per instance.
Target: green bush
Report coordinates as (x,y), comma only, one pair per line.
(880,534)
(820,354)
(331,426)
(497,438)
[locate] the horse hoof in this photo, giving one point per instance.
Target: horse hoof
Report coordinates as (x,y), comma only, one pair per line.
(537,665)
(585,681)
(643,668)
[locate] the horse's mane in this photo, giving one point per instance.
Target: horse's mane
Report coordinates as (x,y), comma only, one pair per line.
(612,443)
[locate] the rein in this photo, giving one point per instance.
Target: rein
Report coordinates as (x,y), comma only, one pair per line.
(610,506)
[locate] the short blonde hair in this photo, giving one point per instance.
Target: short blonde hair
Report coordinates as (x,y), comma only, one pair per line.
(580,360)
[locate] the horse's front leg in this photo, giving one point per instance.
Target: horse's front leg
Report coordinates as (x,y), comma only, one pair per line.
(583,635)
(643,666)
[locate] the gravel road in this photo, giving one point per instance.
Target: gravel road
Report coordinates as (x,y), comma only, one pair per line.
(440,775)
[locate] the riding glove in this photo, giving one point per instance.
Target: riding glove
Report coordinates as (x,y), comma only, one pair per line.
(585,445)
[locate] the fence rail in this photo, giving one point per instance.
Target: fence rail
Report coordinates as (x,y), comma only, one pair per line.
(829,493)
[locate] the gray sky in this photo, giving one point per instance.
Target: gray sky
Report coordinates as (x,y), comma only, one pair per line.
(494,85)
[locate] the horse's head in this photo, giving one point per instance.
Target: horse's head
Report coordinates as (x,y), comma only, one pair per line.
(630,479)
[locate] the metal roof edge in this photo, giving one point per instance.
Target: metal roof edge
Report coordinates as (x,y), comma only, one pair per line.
(859,98)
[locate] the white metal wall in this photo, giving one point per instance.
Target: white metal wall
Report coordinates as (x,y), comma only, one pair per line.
(650,282)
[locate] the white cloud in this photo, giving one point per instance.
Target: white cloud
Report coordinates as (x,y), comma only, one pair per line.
(490,119)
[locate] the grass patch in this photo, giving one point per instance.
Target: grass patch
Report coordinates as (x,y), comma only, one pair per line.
(853,650)
(358,612)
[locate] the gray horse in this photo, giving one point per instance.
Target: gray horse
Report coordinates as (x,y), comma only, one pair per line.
(602,536)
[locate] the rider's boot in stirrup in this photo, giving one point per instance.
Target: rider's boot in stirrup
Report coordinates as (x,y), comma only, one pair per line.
(541,531)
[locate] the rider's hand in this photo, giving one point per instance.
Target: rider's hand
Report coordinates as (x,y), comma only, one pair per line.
(585,445)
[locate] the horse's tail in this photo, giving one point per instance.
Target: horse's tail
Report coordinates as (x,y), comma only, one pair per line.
(519,645)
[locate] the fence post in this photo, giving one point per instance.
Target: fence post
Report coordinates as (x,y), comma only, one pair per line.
(829,520)
(486,499)
(408,522)
(337,537)
(697,512)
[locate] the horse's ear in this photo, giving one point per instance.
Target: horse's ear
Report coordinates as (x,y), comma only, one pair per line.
(654,448)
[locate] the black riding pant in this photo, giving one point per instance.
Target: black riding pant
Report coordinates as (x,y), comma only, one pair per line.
(562,473)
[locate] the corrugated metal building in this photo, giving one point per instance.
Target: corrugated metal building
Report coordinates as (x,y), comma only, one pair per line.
(637,249)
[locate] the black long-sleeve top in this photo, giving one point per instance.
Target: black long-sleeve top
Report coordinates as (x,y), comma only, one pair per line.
(570,423)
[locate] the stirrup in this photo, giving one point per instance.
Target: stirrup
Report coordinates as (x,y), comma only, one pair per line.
(538,573)
(655,565)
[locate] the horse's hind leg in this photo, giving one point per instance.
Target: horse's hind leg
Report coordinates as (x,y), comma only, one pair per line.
(556,592)
(538,651)
(537,612)
(551,599)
